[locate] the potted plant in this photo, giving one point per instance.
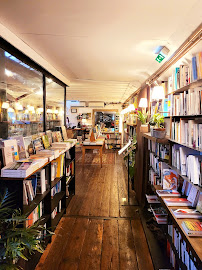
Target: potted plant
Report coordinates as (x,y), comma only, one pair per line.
(157,121)
(15,238)
(143,119)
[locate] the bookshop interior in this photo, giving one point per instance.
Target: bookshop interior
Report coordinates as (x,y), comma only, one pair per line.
(101,135)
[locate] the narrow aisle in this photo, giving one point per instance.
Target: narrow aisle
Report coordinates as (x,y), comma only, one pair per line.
(98,232)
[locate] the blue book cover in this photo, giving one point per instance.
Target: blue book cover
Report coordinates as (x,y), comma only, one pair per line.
(177,70)
(194,68)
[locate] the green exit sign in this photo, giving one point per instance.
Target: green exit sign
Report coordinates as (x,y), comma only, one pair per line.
(160,57)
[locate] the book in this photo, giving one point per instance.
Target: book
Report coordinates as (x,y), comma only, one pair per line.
(192,228)
(49,134)
(170,179)
(193,196)
(64,133)
(29,148)
(152,199)
(37,143)
(186,213)
(8,156)
(14,147)
(45,141)
(19,169)
(59,136)
(159,212)
(177,202)
(41,181)
(168,193)
(199,204)
(20,145)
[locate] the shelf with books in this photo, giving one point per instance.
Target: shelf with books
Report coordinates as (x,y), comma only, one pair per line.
(194,243)
(27,209)
(69,161)
(184,177)
(57,179)
(185,88)
(57,197)
(179,261)
(186,116)
(186,145)
(57,218)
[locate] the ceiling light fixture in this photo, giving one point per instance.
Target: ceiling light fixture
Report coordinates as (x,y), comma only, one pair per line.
(5,105)
(8,73)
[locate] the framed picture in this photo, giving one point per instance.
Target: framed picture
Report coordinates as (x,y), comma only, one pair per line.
(73,110)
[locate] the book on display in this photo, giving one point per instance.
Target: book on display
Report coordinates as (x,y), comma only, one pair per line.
(168,193)
(192,228)
(177,202)
(187,213)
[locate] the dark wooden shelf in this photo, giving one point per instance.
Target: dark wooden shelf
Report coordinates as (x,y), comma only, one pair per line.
(57,179)
(179,261)
(194,243)
(57,218)
(43,219)
(27,209)
(161,141)
(69,161)
(185,145)
(185,88)
(56,199)
(70,179)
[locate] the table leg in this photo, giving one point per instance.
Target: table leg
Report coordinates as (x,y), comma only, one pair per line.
(83,155)
(101,156)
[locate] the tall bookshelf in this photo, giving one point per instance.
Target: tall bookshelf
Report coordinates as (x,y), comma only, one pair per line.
(193,244)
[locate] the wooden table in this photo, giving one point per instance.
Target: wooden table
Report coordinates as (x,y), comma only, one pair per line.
(99,145)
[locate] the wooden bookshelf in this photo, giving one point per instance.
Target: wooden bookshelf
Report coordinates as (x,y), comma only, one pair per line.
(161,141)
(185,88)
(195,243)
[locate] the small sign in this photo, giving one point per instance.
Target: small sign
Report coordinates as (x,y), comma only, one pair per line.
(160,57)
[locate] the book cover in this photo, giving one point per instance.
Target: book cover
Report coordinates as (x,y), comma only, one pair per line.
(177,202)
(37,145)
(152,199)
(193,196)
(54,136)
(159,212)
(29,148)
(14,147)
(199,204)
(45,141)
(8,156)
(64,133)
(21,146)
(192,228)
(49,134)
(170,179)
(59,136)
(168,193)
(186,213)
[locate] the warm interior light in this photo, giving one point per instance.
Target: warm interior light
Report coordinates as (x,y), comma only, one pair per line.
(158,93)
(49,111)
(10,109)
(49,80)
(5,105)
(39,92)
(130,108)
(18,106)
(56,111)
(26,111)
(143,103)
(8,73)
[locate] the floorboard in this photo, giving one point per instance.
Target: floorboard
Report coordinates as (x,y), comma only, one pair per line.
(98,231)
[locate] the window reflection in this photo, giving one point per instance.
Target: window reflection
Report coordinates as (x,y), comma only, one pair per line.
(21,97)
(54,104)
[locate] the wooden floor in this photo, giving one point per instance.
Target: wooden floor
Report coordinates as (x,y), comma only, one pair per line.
(98,232)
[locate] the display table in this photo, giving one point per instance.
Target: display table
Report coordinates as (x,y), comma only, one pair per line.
(98,144)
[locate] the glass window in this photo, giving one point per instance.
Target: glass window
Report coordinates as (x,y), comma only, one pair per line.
(54,104)
(21,97)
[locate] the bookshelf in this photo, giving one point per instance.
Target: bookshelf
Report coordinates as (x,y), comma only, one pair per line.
(193,244)
(112,140)
(51,202)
